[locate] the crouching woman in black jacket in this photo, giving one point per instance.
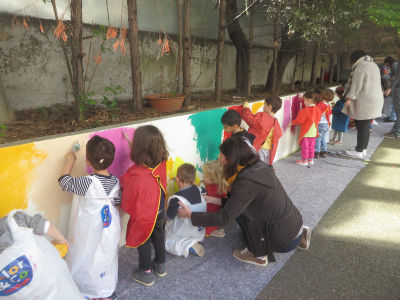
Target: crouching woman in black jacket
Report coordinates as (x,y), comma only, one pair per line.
(268,219)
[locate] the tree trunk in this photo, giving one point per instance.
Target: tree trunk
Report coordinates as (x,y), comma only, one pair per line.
(186,52)
(242,48)
(321,75)
(331,69)
(275,57)
(294,72)
(302,70)
(251,25)
(220,50)
(180,46)
(338,66)
(77,56)
(133,37)
(287,50)
(6,112)
(314,70)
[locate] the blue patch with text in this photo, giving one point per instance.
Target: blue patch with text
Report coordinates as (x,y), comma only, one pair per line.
(15,276)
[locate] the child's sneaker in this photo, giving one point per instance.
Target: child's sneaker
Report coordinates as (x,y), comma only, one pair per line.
(311,161)
(220,232)
(324,155)
(159,269)
(316,155)
(197,250)
(246,256)
(302,162)
(143,277)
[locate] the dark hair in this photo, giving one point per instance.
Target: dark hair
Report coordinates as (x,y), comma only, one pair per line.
(340,91)
(310,95)
(389,60)
(231,117)
(356,55)
(186,173)
(327,95)
(238,153)
(275,102)
(148,146)
(100,152)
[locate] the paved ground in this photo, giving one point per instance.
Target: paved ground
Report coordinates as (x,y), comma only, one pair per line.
(350,245)
(355,247)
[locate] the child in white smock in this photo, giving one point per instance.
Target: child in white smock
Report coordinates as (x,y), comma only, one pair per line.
(94,225)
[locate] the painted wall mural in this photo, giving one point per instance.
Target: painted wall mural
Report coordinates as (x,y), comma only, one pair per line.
(29,171)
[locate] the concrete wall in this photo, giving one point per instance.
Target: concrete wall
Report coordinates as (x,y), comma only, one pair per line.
(34,74)
(30,169)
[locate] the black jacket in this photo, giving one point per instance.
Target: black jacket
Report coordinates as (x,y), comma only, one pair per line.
(271,219)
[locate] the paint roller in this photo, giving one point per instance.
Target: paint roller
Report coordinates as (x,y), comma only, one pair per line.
(76,146)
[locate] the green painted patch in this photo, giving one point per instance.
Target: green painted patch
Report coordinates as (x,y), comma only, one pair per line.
(208,128)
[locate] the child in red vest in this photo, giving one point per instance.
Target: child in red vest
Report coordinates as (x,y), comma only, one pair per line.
(308,119)
(143,197)
(326,96)
(265,127)
(216,186)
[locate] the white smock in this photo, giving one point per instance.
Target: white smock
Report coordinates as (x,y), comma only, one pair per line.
(94,233)
(32,268)
(180,234)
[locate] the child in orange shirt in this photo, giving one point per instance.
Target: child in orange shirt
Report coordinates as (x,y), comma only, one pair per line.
(308,119)
(265,127)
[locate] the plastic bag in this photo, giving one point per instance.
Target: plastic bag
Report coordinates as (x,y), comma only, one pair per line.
(180,234)
(33,269)
(94,234)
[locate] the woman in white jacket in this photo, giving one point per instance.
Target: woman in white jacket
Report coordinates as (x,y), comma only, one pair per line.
(364,98)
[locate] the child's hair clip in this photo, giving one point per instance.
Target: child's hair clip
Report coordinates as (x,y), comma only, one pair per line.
(101,160)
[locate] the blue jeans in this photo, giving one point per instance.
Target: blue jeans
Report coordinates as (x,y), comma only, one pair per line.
(396,106)
(320,143)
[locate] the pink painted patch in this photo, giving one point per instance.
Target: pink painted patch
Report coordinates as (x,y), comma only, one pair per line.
(286,113)
(296,106)
(122,159)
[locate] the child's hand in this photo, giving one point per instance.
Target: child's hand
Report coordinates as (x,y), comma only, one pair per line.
(184,211)
(70,156)
(212,200)
(246,104)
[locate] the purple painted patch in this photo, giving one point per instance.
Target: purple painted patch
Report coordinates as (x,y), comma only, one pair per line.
(286,113)
(122,159)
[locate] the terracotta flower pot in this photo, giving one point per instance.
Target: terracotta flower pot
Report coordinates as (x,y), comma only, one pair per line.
(166,103)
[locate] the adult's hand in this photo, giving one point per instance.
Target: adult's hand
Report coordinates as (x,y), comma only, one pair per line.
(348,101)
(387,92)
(212,200)
(184,211)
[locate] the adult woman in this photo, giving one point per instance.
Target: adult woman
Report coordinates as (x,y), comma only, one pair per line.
(364,98)
(268,219)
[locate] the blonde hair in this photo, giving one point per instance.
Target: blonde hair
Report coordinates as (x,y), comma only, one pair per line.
(214,170)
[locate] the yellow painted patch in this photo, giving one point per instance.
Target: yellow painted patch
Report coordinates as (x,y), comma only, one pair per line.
(256,106)
(172,169)
(17,167)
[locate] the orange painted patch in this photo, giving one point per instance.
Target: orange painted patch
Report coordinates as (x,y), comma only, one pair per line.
(17,165)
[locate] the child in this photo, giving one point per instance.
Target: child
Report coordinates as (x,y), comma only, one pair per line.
(216,186)
(265,127)
(143,197)
(308,119)
(181,236)
(231,120)
(94,226)
(326,96)
(340,121)
(31,266)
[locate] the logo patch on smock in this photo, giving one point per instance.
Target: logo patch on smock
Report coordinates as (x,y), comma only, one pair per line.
(106,216)
(15,276)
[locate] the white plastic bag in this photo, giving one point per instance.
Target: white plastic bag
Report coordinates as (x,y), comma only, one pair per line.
(180,234)
(33,269)
(94,234)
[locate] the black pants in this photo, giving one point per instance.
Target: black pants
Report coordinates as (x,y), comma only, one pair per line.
(157,238)
(362,134)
